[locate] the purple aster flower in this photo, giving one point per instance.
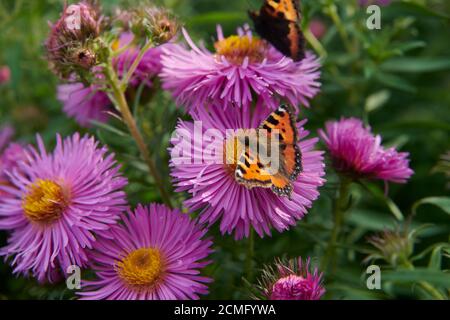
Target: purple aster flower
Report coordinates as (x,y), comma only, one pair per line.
(84,103)
(5,74)
(87,103)
(6,133)
(291,280)
(56,202)
(355,151)
(213,185)
(10,154)
(242,68)
(156,254)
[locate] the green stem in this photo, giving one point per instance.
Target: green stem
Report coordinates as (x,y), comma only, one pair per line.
(122,105)
(250,256)
(340,205)
(426,285)
(135,63)
(332,12)
(317,46)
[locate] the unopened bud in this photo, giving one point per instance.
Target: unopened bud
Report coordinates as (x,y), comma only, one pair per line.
(154,23)
(70,45)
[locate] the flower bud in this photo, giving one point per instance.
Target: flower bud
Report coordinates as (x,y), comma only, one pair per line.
(157,24)
(71,43)
(393,246)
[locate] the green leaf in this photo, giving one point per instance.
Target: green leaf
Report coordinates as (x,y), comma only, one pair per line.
(435,277)
(441,202)
(110,128)
(408,46)
(436,256)
(371,220)
(416,65)
(410,8)
(378,193)
(214,17)
(395,82)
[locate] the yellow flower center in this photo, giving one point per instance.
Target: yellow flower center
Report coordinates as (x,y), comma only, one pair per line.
(45,201)
(141,268)
(237,48)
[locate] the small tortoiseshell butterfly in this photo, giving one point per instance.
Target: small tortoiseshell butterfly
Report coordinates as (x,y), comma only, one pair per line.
(251,170)
(278,22)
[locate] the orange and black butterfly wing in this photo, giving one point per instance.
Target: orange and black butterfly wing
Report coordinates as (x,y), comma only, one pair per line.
(252,173)
(282,122)
(278,23)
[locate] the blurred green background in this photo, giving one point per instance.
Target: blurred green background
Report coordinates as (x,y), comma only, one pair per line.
(396,79)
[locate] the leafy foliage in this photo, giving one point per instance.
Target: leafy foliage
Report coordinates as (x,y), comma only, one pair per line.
(396,79)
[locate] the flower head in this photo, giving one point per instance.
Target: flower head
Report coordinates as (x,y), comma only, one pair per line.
(290,280)
(10,155)
(6,133)
(5,74)
(157,24)
(355,151)
(393,246)
(55,203)
(156,254)
(70,45)
(212,183)
(318,28)
(87,103)
(242,68)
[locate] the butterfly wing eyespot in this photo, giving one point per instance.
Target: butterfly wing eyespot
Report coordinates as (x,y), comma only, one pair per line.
(278,23)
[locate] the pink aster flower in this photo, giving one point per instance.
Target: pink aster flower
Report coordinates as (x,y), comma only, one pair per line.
(9,159)
(318,28)
(6,133)
(5,74)
(55,204)
(291,280)
(10,154)
(156,254)
(355,151)
(87,103)
(212,184)
(242,69)
(84,103)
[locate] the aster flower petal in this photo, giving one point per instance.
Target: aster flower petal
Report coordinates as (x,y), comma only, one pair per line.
(182,250)
(214,190)
(290,280)
(197,77)
(355,151)
(49,234)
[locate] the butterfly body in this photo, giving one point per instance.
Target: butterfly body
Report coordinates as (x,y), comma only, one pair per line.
(269,156)
(278,22)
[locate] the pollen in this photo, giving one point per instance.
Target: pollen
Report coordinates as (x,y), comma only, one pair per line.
(142,268)
(236,48)
(45,201)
